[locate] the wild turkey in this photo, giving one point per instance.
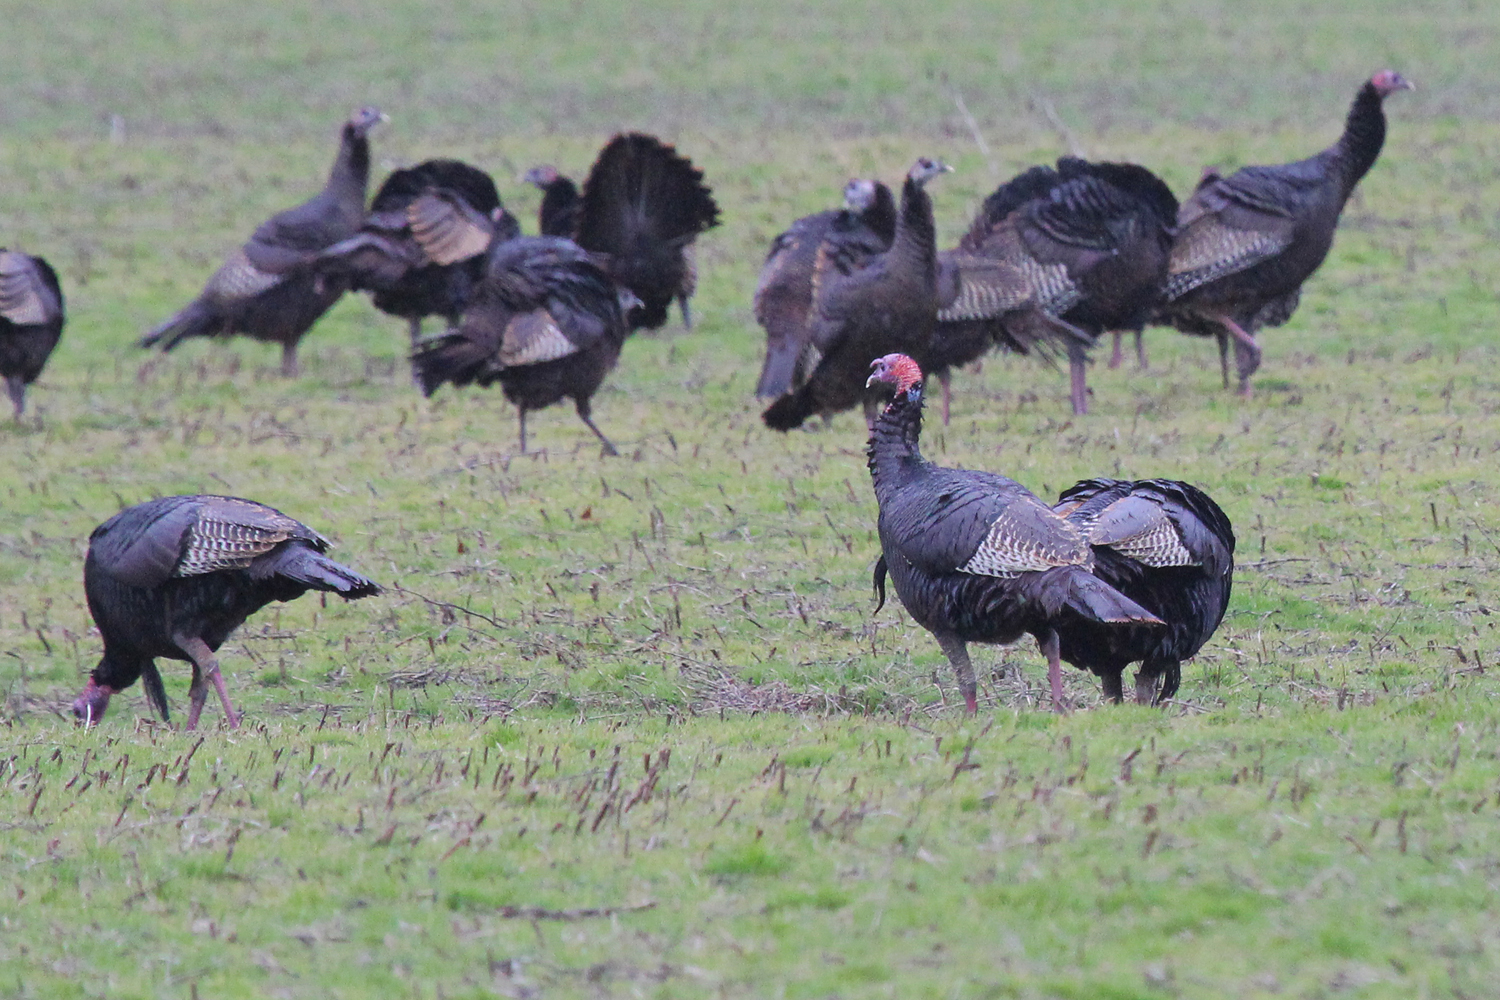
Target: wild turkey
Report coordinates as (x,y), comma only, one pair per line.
(862,312)
(558,214)
(863,228)
(976,557)
(269,289)
(545,322)
(384,258)
(1167,546)
(1055,258)
(31,321)
(1245,243)
(175,577)
(643,206)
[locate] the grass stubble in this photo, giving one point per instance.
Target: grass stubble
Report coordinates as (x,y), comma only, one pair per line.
(627,727)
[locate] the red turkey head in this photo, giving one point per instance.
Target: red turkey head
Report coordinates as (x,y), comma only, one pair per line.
(895,370)
(89,707)
(1388,81)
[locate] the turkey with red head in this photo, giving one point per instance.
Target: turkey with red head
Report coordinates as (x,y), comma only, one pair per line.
(974,556)
(270,288)
(850,236)
(1245,243)
(1167,546)
(174,577)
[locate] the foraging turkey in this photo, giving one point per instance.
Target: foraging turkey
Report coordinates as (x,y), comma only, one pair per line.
(1245,243)
(31,321)
(384,258)
(1055,258)
(269,289)
(558,213)
(174,577)
(863,228)
(860,313)
(545,322)
(643,206)
(974,556)
(1167,546)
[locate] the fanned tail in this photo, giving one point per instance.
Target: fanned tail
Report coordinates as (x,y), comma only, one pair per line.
(642,190)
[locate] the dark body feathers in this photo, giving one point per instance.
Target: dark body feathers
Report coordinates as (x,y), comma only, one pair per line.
(1167,546)
(853,235)
(863,309)
(175,577)
(545,322)
(643,206)
(384,258)
(269,288)
(1245,243)
(1054,258)
(976,557)
(31,321)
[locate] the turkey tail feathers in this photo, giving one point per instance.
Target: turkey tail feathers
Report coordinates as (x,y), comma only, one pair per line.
(313,569)
(156,692)
(1096,600)
(197,320)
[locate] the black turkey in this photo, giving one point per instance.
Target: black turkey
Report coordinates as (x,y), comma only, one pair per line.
(643,205)
(863,228)
(863,311)
(1054,258)
(976,557)
(269,289)
(545,322)
(174,577)
(561,202)
(31,321)
(384,258)
(1167,546)
(1245,243)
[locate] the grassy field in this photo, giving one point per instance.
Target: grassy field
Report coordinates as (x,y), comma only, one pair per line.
(628,727)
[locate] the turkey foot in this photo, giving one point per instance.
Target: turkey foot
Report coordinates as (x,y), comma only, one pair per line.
(1051,649)
(205,668)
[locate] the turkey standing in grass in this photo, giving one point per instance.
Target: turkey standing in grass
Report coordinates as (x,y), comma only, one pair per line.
(545,322)
(31,321)
(863,228)
(385,258)
(1167,546)
(174,577)
(1245,243)
(860,313)
(1055,258)
(976,557)
(269,288)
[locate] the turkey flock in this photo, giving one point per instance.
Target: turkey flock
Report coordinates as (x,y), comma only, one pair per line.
(859,306)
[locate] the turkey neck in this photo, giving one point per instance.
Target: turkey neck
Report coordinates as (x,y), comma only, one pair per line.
(350,176)
(1364,134)
(915,243)
(559,209)
(895,456)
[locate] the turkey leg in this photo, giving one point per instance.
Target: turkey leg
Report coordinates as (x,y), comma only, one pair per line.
(1146,686)
(1246,353)
(17,390)
(946,380)
(1114,690)
(1079,378)
(1140,351)
(205,668)
(583,414)
(289,360)
(1051,647)
(1117,355)
(957,652)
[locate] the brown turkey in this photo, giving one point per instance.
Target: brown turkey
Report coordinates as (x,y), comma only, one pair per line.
(385,258)
(31,321)
(862,229)
(174,577)
(1055,258)
(643,206)
(863,310)
(545,322)
(976,557)
(269,289)
(1167,546)
(1245,243)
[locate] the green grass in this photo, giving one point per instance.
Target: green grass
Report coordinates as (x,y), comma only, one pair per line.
(628,727)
